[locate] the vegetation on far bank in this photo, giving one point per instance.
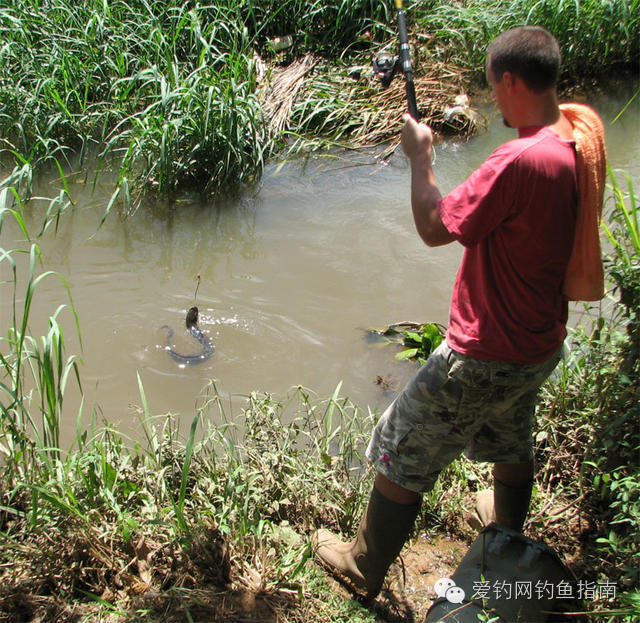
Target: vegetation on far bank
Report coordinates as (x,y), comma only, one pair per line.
(178,95)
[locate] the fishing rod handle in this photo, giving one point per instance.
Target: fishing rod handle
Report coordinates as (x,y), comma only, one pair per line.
(411,99)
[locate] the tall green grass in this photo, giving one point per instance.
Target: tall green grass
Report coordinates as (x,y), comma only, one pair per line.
(170,92)
(624,235)
(589,439)
(594,36)
(169,88)
(34,372)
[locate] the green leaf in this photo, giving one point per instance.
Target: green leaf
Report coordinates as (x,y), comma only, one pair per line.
(409,353)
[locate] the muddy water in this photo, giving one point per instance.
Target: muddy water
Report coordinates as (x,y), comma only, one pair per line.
(290,276)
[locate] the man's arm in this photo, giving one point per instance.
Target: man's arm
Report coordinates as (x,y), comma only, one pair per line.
(417,140)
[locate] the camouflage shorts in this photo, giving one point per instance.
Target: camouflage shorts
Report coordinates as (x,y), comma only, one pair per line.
(457,403)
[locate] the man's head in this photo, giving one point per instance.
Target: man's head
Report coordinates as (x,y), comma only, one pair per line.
(530,53)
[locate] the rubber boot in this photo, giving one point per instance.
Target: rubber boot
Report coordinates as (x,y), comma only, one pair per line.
(505,505)
(384,528)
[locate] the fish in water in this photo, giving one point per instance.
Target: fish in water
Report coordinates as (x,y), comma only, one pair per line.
(197,334)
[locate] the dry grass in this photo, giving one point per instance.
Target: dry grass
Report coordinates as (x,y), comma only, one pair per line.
(436,94)
(319,104)
(283,87)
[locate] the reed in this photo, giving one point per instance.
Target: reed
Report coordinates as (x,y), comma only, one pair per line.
(168,87)
(173,94)
(34,371)
(594,36)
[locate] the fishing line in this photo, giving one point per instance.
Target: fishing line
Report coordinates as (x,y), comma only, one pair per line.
(195,294)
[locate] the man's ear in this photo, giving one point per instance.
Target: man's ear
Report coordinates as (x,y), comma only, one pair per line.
(508,80)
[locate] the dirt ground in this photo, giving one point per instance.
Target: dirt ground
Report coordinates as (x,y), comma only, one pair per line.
(409,590)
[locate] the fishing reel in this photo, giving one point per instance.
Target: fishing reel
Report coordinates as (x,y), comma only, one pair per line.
(385,67)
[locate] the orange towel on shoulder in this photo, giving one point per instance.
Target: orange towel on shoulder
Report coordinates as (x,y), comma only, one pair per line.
(584,279)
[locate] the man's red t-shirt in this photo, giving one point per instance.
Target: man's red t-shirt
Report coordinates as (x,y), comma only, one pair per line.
(516,217)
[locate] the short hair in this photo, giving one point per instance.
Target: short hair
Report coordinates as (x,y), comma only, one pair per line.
(530,52)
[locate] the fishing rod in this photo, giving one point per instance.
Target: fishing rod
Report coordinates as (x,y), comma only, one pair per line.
(405,59)
(386,67)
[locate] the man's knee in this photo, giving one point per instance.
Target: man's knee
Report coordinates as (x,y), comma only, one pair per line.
(395,492)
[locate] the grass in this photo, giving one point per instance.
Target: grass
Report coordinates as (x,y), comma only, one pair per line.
(174,525)
(594,36)
(36,371)
(173,94)
(170,89)
(588,442)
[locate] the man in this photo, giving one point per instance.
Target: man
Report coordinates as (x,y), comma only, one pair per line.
(516,217)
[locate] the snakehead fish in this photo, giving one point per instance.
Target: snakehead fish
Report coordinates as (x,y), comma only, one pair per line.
(197,334)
